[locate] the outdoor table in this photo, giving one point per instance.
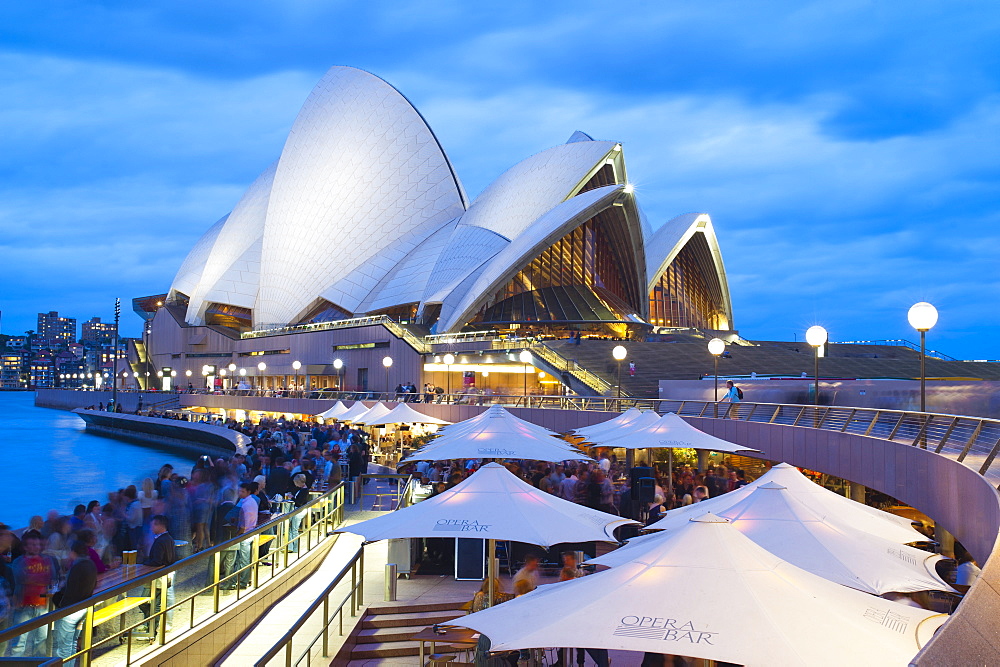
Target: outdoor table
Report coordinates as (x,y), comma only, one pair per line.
(120,575)
(451,635)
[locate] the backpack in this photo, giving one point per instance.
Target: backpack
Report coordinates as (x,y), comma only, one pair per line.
(739,392)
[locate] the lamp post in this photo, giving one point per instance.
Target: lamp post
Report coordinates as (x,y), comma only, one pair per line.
(619,353)
(817,337)
(448,360)
(387,364)
(338,365)
(243,374)
(922,317)
(232,375)
(716,346)
(525,358)
(261,367)
(296,365)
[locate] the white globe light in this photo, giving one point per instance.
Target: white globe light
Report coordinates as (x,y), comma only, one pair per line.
(187,372)
(619,353)
(338,363)
(173,374)
(449,359)
(716,346)
(922,316)
(243,372)
(261,366)
(816,335)
(486,374)
(159,374)
(232,368)
(387,361)
(296,365)
(525,357)
(222,372)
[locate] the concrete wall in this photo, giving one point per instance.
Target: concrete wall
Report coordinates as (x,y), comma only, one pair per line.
(70,399)
(190,348)
(973,398)
(954,495)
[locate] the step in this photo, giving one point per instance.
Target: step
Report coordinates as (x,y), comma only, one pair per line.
(397,649)
(382,635)
(421,618)
(407,607)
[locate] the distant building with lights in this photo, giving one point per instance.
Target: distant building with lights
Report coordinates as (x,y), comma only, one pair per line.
(54,331)
(363,220)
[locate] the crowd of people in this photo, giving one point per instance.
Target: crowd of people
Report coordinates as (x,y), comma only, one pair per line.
(56,561)
(593,485)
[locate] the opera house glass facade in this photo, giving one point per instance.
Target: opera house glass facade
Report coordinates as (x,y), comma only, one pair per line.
(364,214)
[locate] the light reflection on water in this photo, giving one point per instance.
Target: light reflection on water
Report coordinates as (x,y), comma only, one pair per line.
(49,462)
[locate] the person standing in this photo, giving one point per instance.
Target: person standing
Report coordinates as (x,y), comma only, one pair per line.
(300,499)
(34,574)
(734,395)
(80,584)
(162,553)
(247,505)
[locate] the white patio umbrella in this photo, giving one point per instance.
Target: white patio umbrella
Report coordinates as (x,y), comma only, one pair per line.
(669,431)
(776,520)
(498,435)
(404,414)
(354,412)
(494,504)
(374,412)
(825,502)
(491,413)
(334,411)
(709,592)
(644,421)
(861,516)
(611,424)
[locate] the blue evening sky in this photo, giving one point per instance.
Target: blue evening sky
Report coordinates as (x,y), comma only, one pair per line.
(847,151)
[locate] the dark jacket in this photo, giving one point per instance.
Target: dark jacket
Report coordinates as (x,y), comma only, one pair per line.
(162,553)
(279,481)
(80,582)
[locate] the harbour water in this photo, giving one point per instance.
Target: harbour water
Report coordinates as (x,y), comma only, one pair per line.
(50,462)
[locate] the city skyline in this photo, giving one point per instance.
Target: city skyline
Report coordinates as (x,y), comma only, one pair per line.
(846,146)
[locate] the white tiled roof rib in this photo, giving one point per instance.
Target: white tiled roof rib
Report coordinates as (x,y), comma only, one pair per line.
(189,275)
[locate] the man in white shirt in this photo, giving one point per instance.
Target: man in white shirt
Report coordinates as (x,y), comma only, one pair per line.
(605,463)
(248,521)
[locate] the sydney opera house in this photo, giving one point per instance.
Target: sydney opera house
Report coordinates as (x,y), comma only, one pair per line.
(363,215)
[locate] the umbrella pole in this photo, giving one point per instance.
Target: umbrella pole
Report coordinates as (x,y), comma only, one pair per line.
(670,471)
(489,569)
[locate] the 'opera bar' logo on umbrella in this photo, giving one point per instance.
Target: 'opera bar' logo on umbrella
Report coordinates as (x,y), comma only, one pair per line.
(495,452)
(667,629)
(677,444)
(461,526)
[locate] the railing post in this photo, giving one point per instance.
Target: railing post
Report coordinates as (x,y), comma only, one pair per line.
(326,623)
(354,588)
(216,574)
(88,637)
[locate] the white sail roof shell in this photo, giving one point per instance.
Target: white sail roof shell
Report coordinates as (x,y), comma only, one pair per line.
(189,275)
(360,182)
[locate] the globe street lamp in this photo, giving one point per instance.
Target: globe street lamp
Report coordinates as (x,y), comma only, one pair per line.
(296,365)
(619,353)
(387,364)
(922,317)
(338,365)
(817,337)
(261,367)
(716,346)
(448,360)
(525,358)
(232,375)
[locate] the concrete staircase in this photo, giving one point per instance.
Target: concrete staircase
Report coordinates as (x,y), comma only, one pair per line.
(384,632)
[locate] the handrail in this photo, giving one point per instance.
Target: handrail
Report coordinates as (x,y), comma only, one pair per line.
(372,320)
(330,518)
(286,640)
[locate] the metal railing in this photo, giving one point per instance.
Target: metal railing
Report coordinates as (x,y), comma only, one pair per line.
(354,594)
(896,342)
(192,590)
(370,321)
(557,361)
(356,568)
